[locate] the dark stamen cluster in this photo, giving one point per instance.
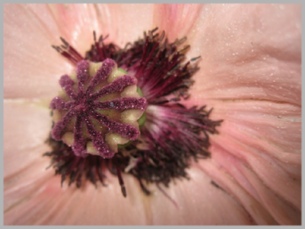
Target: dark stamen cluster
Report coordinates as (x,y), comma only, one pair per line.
(157,64)
(172,134)
(78,169)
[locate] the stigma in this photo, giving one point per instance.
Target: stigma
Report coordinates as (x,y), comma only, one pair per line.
(97,109)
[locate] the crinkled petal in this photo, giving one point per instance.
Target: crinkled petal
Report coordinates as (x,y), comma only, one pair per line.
(266,138)
(251,75)
(196,202)
(86,206)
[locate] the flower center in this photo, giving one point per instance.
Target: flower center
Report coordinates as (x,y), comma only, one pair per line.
(98,109)
(99,119)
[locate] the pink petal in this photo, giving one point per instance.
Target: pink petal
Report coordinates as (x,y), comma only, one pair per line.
(196,202)
(87,206)
(177,20)
(270,146)
(26,127)
(76,23)
(256,211)
(22,187)
(265,204)
(31,66)
(246,54)
(125,22)
(251,75)
(103,206)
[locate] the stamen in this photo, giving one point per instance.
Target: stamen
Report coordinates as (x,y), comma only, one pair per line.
(99,121)
(123,189)
(69,52)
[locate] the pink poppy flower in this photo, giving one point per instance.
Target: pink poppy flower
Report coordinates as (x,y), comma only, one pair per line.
(250,74)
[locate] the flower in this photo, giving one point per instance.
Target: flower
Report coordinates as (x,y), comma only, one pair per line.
(249,73)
